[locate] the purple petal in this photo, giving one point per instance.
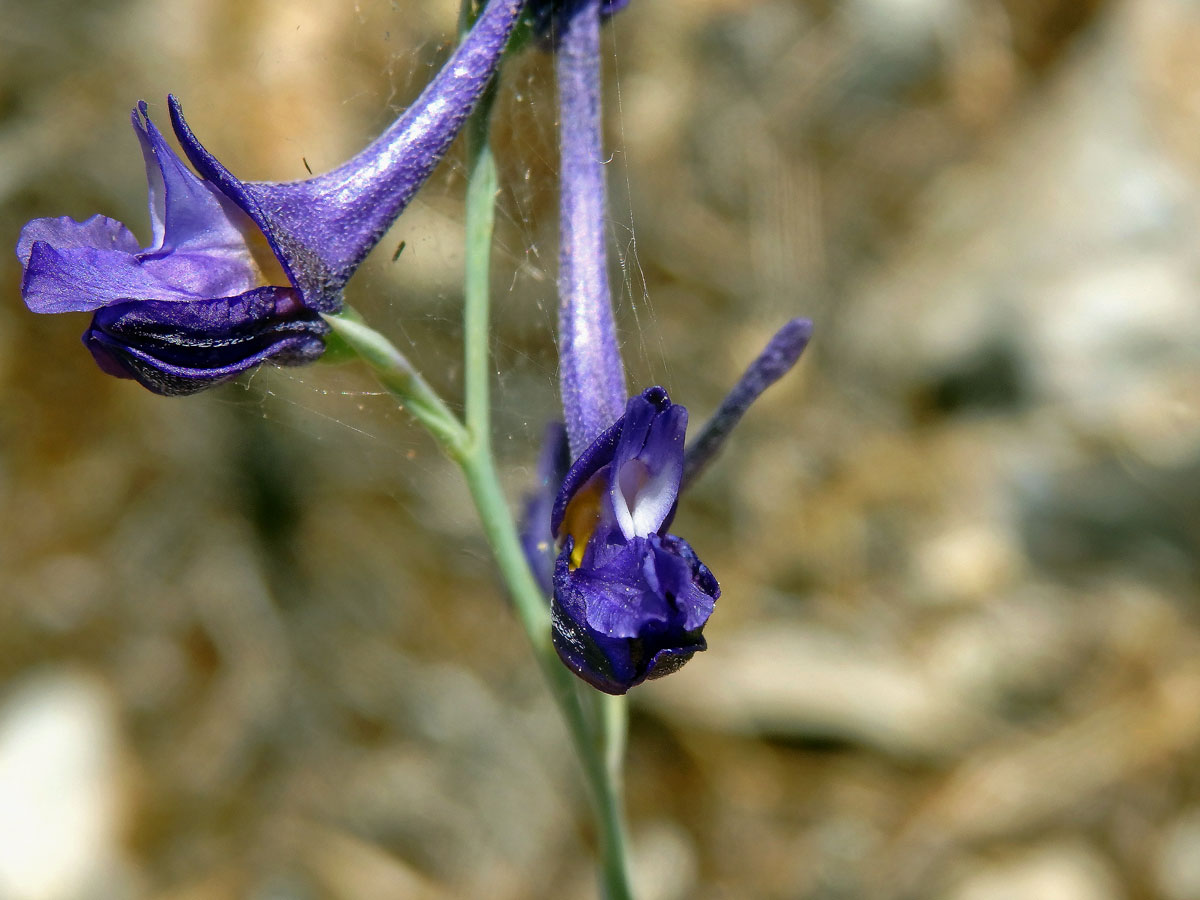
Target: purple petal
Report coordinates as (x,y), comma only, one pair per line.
(776,359)
(186,213)
(82,279)
(175,348)
(599,454)
(156,188)
(65,233)
(321,229)
(638,617)
(680,573)
(647,464)
(537,539)
(199,252)
(621,601)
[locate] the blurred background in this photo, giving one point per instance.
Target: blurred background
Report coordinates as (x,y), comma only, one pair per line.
(251,642)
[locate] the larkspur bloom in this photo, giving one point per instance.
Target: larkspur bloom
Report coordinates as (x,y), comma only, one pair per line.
(629,598)
(238,272)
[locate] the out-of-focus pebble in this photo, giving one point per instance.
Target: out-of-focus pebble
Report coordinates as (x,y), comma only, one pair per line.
(1067,871)
(1177,869)
(798,682)
(60,792)
(665,862)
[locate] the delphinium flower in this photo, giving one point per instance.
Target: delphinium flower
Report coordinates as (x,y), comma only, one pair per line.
(629,598)
(239,272)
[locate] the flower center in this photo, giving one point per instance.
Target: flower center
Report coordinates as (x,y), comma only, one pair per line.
(641,498)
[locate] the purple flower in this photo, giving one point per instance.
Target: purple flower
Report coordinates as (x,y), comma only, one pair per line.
(629,599)
(238,272)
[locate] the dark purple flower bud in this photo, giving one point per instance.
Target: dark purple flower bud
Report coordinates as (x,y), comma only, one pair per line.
(629,599)
(775,361)
(238,272)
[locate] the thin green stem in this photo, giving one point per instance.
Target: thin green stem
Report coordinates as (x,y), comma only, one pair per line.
(615,718)
(591,733)
(595,722)
(595,739)
(401,380)
(480,215)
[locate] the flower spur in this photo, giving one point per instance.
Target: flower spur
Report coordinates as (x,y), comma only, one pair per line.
(629,599)
(239,272)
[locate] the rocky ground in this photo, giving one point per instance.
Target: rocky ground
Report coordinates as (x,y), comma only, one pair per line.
(251,644)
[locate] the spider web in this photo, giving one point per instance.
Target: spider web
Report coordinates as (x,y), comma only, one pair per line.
(410,288)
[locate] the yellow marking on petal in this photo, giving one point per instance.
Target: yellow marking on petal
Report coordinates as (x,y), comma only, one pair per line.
(581,518)
(576,559)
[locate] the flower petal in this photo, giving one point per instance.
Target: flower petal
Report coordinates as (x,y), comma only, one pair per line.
(681,574)
(598,455)
(200,251)
(621,601)
(182,348)
(64,232)
(651,432)
(82,279)
(648,463)
(187,214)
(638,617)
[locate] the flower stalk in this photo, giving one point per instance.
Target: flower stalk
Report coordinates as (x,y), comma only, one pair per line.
(592,735)
(595,723)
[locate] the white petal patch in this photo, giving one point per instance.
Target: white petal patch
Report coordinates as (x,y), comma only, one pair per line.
(641,500)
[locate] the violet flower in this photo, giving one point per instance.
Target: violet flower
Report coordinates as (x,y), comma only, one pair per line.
(629,599)
(238,272)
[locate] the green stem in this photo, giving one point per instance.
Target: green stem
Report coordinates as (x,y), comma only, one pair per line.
(615,717)
(595,722)
(401,380)
(598,744)
(481,215)
(595,737)
(614,720)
